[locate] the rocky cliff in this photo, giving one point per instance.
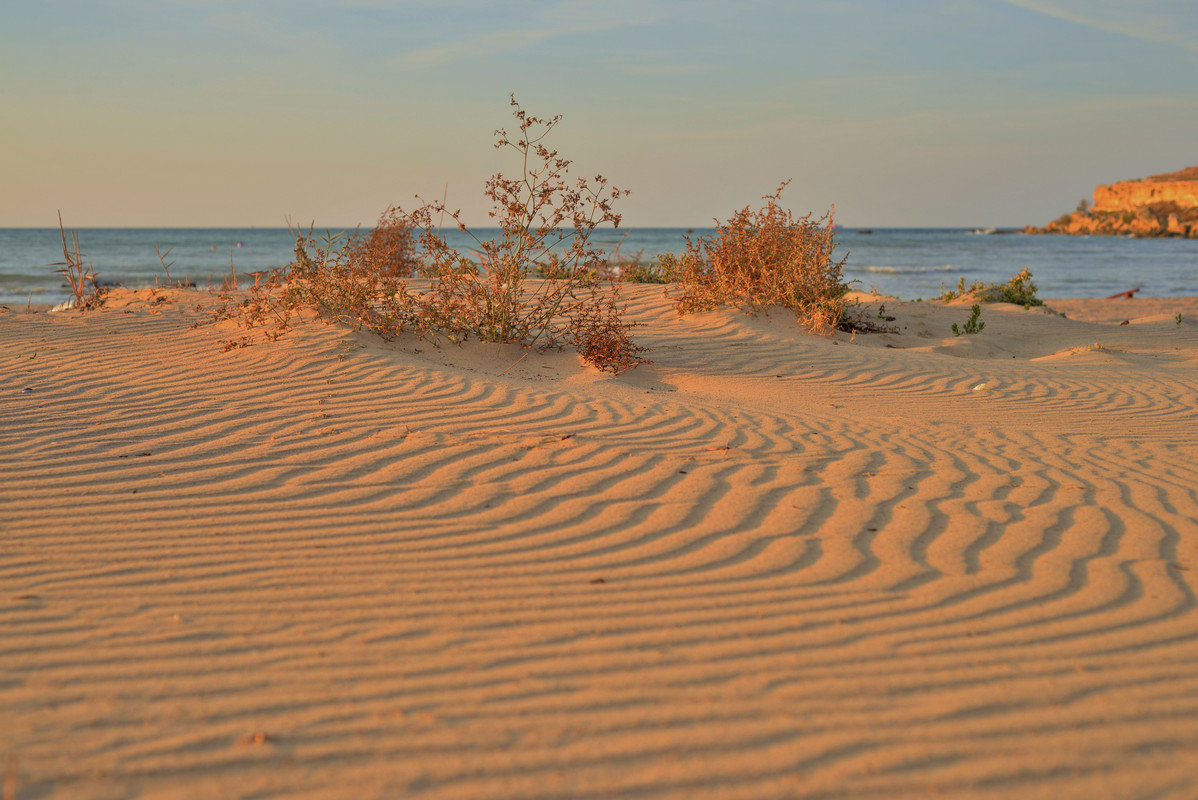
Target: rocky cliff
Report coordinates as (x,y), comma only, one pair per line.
(1160,205)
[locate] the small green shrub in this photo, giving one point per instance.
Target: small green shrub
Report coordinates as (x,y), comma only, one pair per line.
(948,295)
(665,270)
(1019,290)
(972,325)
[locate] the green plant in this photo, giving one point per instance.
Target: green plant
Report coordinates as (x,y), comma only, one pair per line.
(658,273)
(86,292)
(1018,290)
(667,269)
(1178,320)
(972,325)
(962,290)
(635,269)
(763,258)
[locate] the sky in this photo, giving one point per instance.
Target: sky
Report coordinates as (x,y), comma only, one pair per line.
(937,113)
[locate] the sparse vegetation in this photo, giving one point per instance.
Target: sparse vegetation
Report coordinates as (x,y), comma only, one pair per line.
(972,325)
(86,292)
(539,283)
(1019,290)
(763,258)
(1178,319)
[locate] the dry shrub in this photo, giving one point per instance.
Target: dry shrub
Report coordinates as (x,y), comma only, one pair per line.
(86,292)
(527,284)
(534,284)
(764,258)
(389,248)
(601,337)
(333,278)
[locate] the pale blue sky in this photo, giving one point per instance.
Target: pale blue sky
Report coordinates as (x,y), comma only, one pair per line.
(919,112)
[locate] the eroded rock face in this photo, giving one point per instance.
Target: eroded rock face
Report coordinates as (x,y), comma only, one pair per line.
(1160,205)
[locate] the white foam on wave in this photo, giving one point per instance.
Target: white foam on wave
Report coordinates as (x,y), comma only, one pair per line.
(902,270)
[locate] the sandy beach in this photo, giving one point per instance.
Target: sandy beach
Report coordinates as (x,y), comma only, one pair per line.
(768,565)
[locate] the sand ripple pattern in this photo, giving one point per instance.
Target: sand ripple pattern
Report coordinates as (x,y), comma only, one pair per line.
(384,577)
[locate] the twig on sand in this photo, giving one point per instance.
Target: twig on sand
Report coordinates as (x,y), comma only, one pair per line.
(509,369)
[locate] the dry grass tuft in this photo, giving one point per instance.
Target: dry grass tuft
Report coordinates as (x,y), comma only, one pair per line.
(764,258)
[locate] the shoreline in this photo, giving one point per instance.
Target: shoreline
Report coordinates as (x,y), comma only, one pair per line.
(767,564)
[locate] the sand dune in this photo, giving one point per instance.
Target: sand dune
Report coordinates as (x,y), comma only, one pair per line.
(769,564)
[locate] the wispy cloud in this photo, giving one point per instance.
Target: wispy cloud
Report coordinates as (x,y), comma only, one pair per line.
(490,44)
(1172,22)
(566,18)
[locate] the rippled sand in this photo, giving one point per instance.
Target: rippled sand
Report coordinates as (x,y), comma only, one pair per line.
(767,565)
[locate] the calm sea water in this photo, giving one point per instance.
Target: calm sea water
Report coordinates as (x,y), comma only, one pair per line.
(906,262)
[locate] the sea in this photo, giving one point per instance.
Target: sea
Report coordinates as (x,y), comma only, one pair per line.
(909,263)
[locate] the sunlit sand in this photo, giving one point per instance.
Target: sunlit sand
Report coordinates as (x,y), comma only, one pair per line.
(769,564)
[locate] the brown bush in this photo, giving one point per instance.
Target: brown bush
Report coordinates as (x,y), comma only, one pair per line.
(764,258)
(600,336)
(389,249)
(535,284)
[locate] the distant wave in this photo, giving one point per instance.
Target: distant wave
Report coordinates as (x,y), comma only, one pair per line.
(903,270)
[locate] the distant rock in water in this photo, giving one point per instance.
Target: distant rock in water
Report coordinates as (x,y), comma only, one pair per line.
(1160,205)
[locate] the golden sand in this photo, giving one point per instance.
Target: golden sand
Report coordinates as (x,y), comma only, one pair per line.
(767,565)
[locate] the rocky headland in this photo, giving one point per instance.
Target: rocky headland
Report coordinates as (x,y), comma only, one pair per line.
(1159,205)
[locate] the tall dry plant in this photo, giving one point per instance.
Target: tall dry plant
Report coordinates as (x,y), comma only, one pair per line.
(535,284)
(764,258)
(86,292)
(545,224)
